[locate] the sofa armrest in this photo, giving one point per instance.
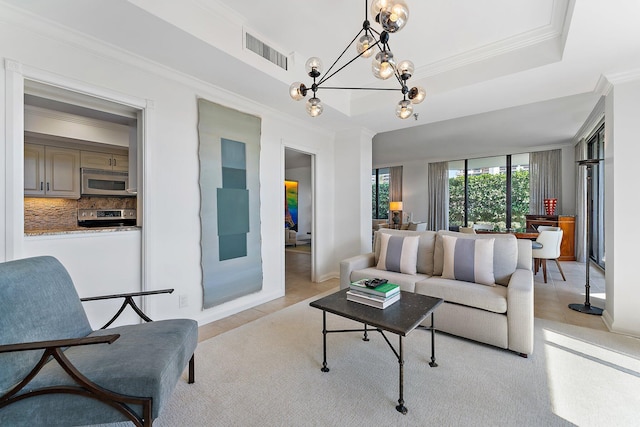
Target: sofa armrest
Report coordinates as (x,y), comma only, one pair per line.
(357,262)
(520,311)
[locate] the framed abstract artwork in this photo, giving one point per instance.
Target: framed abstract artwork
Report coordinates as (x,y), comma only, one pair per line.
(229,154)
(291,205)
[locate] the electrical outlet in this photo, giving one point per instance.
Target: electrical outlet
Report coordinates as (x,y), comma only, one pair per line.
(183,301)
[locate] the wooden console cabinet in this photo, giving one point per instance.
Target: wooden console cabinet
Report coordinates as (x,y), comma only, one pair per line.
(567,224)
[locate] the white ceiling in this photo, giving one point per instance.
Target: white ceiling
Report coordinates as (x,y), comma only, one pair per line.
(499,74)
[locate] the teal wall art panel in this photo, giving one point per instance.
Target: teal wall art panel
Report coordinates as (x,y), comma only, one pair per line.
(229,154)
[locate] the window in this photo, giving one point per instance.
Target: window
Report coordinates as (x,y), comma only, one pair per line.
(489,191)
(380,193)
(595,150)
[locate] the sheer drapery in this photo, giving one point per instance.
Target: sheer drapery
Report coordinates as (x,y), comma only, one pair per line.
(544,179)
(438,190)
(581,201)
(395,184)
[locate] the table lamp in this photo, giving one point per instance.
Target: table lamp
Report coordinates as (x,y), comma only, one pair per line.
(395,207)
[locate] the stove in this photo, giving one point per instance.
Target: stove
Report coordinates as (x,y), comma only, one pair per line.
(107,217)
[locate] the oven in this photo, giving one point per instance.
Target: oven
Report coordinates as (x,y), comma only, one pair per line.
(97,182)
(107,217)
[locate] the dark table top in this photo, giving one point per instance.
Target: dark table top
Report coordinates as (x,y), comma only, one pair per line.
(400,318)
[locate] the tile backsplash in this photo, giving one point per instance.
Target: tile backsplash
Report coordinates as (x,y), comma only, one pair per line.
(42,213)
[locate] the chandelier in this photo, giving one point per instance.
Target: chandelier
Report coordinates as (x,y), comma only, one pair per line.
(392,15)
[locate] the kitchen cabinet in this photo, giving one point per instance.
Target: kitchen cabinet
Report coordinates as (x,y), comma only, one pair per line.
(51,171)
(568,226)
(105,161)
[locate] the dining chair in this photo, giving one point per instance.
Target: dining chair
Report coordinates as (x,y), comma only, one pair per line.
(550,241)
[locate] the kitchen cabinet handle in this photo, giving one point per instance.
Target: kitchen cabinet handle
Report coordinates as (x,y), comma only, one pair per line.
(47,186)
(109,162)
(41,185)
(114,162)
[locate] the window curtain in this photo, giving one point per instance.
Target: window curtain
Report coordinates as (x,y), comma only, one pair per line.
(544,179)
(581,202)
(438,190)
(395,184)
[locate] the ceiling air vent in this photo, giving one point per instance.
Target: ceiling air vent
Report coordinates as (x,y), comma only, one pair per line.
(266,51)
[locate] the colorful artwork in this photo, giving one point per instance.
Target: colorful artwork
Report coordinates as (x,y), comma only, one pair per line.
(291,205)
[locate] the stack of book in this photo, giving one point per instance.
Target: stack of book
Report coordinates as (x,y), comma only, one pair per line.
(382,296)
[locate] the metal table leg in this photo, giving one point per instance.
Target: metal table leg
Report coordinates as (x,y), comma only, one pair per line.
(401,408)
(433,363)
(324,342)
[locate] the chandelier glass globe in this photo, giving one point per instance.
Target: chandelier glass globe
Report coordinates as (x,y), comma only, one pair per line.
(405,69)
(383,65)
(314,107)
(404,109)
(417,94)
(364,46)
(313,66)
(297,91)
(394,17)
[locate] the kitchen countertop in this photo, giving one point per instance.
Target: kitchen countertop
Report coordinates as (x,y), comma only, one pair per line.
(79,230)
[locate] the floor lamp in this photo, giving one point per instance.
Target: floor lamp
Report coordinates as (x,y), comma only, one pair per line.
(587,307)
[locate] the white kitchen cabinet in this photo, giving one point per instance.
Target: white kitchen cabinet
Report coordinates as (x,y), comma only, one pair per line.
(105,161)
(51,171)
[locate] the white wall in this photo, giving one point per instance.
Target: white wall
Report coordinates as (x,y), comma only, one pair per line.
(415,200)
(171,227)
(352,211)
(622,109)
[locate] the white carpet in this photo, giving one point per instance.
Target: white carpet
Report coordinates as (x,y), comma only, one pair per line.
(267,373)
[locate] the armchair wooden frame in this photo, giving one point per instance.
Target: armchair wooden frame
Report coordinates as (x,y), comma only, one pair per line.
(85,387)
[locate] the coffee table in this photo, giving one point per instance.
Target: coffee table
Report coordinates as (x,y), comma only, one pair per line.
(399,318)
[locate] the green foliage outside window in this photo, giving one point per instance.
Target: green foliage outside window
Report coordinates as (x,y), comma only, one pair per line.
(383,200)
(487,199)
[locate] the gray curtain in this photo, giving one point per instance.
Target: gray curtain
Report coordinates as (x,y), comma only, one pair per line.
(581,201)
(544,179)
(438,191)
(395,184)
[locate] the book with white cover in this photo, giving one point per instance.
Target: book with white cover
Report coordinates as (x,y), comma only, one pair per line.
(372,300)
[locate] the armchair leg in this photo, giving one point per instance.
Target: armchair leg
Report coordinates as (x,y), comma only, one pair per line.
(192,369)
(544,269)
(560,268)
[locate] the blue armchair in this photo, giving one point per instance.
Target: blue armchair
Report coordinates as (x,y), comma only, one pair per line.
(56,371)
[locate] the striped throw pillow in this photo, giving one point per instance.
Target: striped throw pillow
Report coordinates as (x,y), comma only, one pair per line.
(398,253)
(469,260)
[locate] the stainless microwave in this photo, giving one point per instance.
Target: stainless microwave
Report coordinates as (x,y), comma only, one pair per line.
(98,182)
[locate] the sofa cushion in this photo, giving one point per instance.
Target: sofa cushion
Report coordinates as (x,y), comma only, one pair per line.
(398,253)
(407,282)
(426,244)
(505,254)
(469,260)
(489,298)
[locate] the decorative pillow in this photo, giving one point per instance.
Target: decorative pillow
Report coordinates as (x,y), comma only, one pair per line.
(469,260)
(398,253)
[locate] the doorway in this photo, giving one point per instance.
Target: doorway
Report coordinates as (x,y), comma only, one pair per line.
(298,215)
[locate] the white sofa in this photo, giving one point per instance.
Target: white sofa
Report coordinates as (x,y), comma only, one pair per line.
(500,315)
(290,237)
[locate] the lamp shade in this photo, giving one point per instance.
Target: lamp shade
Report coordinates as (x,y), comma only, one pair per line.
(395,206)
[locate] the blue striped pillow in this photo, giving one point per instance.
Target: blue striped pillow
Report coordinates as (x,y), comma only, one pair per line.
(469,260)
(398,253)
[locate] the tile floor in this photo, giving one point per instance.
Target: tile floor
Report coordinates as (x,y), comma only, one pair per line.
(551,299)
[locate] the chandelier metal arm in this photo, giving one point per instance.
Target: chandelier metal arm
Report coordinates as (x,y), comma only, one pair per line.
(361,88)
(327,76)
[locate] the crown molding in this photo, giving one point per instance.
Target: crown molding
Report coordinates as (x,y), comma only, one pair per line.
(556,29)
(623,77)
